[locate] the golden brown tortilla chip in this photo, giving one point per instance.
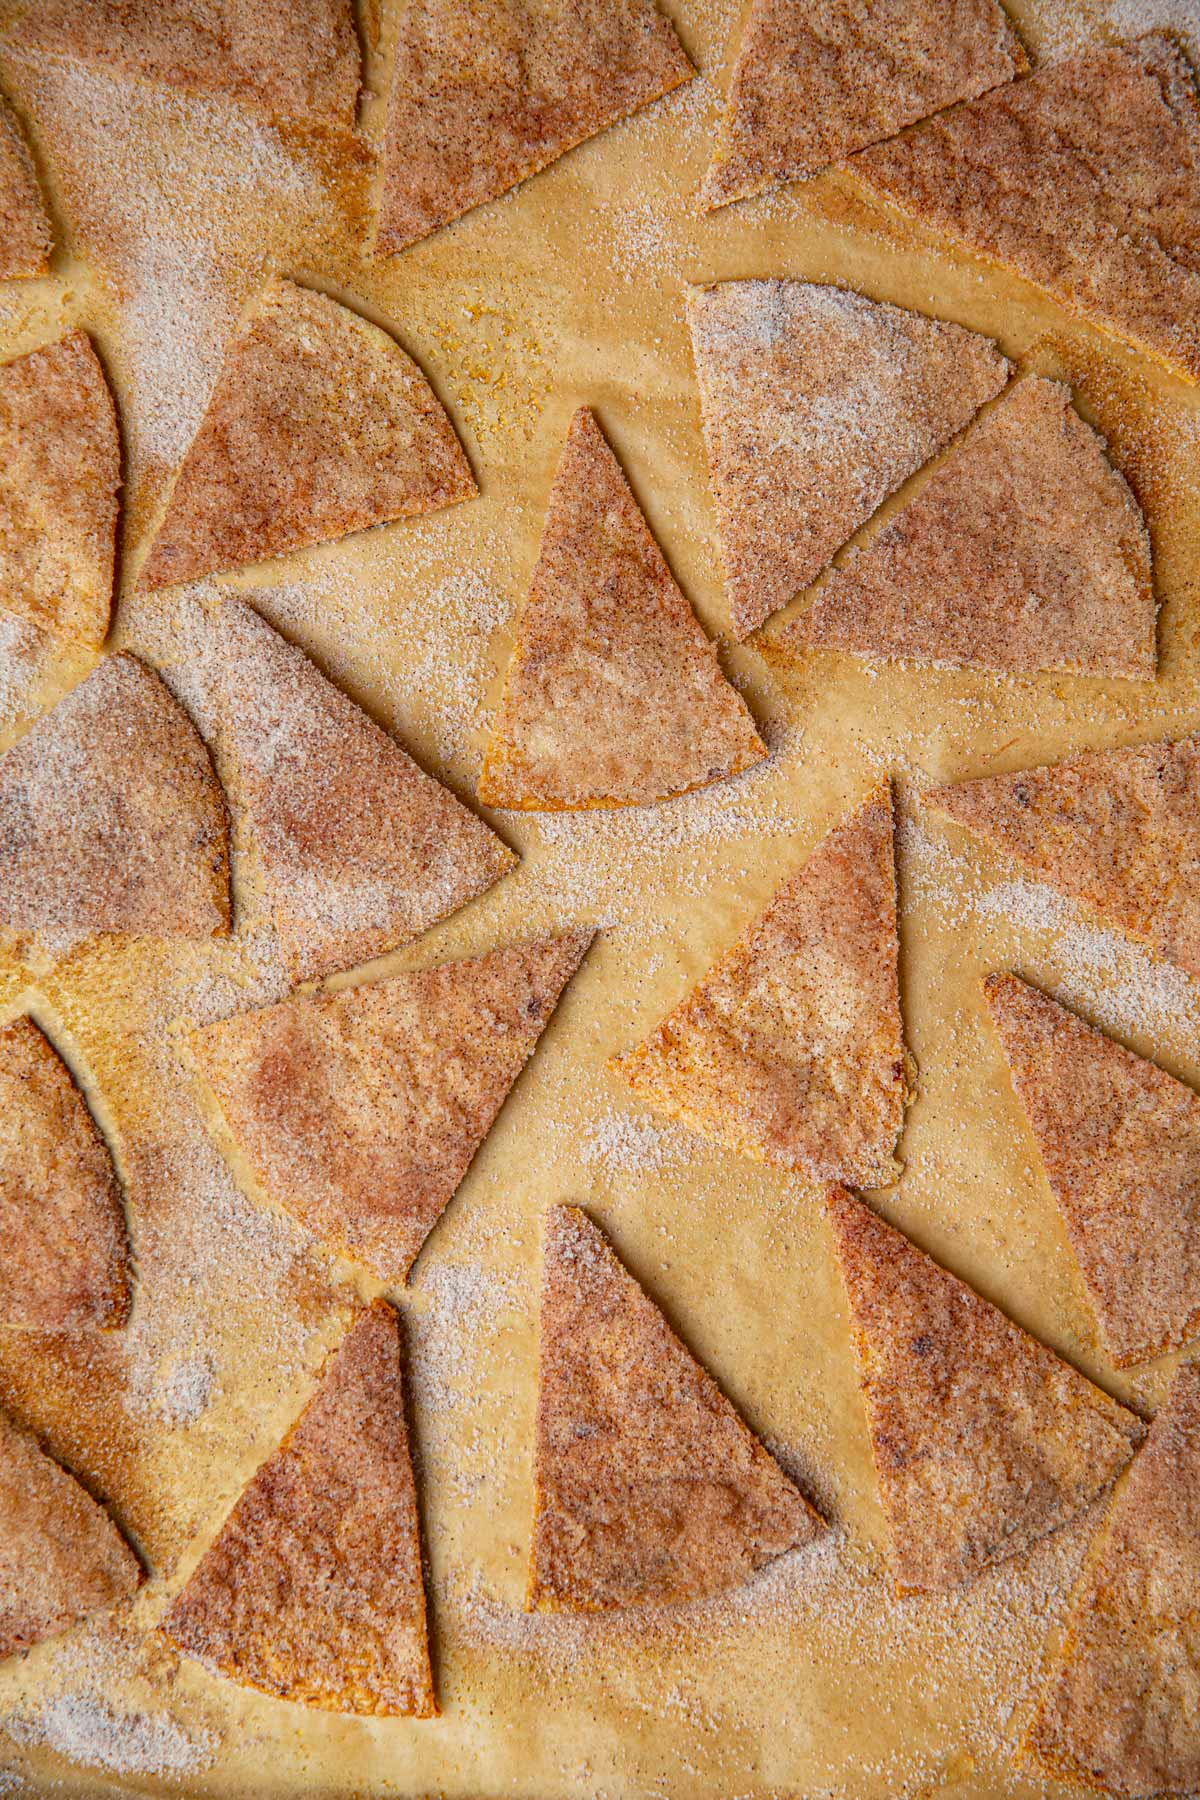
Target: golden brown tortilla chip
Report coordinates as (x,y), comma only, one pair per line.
(111,819)
(614,695)
(486,94)
(817,404)
(25,232)
(649,1487)
(1084,178)
(814,83)
(360,1111)
(319,425)
(1121,1699)
(983,1439)
(64,1251)
(360,850)
(61,1556)
(1118,830)
(790,1050)
(313,1589)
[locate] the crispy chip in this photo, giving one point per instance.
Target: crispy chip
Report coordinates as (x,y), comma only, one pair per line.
(25,234)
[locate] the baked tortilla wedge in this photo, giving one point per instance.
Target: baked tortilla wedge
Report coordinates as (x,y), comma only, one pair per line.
(26,236)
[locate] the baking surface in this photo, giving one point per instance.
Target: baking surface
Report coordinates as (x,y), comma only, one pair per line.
(813,1680)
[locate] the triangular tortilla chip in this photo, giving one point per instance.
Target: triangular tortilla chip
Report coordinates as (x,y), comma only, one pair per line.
(319,425)
(1118,830)
(649,1487)
(817,404)
(614,696)
(360,1111)
(812,84)
(790,1050)
(1118,1711)
(291,58)
(111,818)
(61,1556)
(25,233)
(1084,178)
(60,471)
(1024,550)
(1120,1139)
(482,96)
(983,1439)
(360,850)
(313,1589)
(64,1252)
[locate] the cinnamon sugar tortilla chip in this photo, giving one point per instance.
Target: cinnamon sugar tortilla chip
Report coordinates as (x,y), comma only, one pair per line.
(1121,1699)
(1118,830)
(1120,1141)
(360,1111)
(61,1556)
(814,83)
(484,95)
(313,1589)
(319,425)
(60,472)
(983,1439)
(649,1487)
(790,1050)
(111,818)
(817,403)
(1024,550)
(25,233)
(64,1252)
(1084,178)
(614,696)
(360,850)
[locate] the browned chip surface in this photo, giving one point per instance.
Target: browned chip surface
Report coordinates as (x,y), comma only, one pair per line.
(360,850)
(1121,1699)
(1120,1139)
(614,696)
(61,1556)
(486,94)
(60,471)
(1084,178)
(360,1111)
(111,819)
(817,404)
(64,1253)
(983,1439)
(313,1589)
(649,1488)
(1116,829)
(790,1050)
(25,234)
(814,83)
(319,425)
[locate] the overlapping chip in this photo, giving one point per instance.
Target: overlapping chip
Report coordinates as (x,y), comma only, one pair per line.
(25,233)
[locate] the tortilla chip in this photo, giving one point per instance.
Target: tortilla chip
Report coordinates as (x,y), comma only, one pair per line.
(984,1440)
(61,1556)
(1024,550)
(1118,830)
(319,425)
(1119,1707)
(485,95)
(360,850)
(614,696)
(313,1589)
(64,1251)
(60,472)
(817,404)
(649,1487)
(1120,1140)
(359,1112)
(290,58)
(790,1050)
(1084,178)
(111,819)
(812,84)
(25,233)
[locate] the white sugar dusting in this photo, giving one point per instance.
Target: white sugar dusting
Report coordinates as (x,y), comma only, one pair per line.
(85,1729)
